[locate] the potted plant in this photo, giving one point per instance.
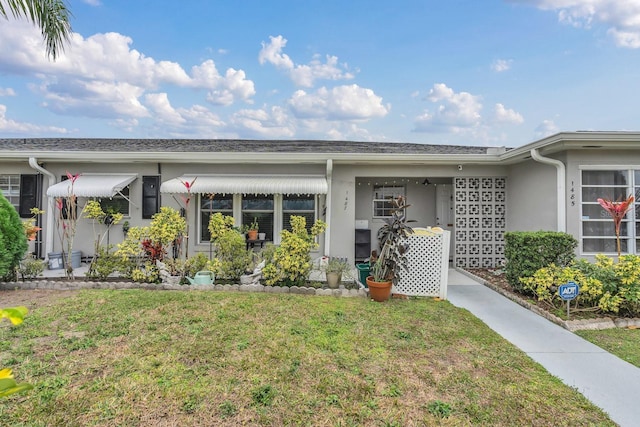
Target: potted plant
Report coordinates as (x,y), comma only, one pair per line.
(252,233)
(334,270)
(394,246)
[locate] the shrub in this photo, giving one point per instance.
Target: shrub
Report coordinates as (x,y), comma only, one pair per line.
(13,239)
(605,285)
(30,267)
(526,252)
(232,257)
(104,263)
(291,261)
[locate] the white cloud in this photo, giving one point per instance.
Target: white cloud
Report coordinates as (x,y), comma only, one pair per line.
(266,122)
(92,2)
(501,65)
(12,126)
(453,112)
(504,115)
(350,102)
(546,128)
(7,92)
(461,113)
(302,74)
(621,16)
(272,52)
(196,120)
(102,76)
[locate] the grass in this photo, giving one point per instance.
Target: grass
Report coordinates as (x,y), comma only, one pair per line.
(624,343)
(147,358)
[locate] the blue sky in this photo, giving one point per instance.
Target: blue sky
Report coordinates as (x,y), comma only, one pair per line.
(485,73)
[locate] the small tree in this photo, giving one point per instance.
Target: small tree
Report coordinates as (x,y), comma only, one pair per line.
(291,263)
(232,257)
(13,240)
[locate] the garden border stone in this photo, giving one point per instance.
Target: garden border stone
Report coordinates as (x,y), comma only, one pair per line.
(81,284)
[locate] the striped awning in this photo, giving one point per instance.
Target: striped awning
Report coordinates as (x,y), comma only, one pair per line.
(247,184)
(92,185)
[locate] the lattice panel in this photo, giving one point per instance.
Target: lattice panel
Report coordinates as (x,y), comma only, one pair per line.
(428,266)
(480,212)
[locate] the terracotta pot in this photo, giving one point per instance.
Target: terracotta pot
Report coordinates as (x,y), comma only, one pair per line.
(252,234)
(379,291)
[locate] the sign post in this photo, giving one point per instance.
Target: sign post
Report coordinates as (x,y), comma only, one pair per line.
(567,292)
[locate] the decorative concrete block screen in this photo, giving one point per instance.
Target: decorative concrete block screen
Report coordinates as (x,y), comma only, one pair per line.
(428,266)
(480,221)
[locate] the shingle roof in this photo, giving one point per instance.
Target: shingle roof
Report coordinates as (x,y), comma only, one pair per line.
(227,145)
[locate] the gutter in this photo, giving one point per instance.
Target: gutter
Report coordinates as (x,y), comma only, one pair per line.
(327,202)
(560,185)
(33,162)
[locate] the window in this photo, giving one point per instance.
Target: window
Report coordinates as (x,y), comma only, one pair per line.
(382,195)
(299,205)
(598,231)
(150,196)
(260,208)
(210,204)
(10,187)
(119,203)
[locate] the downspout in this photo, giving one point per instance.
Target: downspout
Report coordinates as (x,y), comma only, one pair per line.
(327,205)
(560,184)
(33,162)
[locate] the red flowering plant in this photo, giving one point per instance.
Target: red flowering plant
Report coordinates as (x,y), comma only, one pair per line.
(617,210)
(186,200)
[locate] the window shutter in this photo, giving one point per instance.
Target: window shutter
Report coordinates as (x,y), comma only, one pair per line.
(29,194)
(150,196)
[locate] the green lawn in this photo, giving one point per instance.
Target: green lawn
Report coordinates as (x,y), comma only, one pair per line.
(162,358)
(624,343)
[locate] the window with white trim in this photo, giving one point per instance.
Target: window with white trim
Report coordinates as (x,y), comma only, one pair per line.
(210,204)
(298,205)
(382,200)
(260,208)
(119,203)
(10,187)
(597,228)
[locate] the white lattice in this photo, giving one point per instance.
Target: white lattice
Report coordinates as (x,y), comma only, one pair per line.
(428,266)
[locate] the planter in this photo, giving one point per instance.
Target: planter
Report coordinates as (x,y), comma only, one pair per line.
(379,291)
(252,234)
(262,236)
(333,280)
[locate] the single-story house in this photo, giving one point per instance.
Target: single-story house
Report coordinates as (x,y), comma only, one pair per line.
(477,193)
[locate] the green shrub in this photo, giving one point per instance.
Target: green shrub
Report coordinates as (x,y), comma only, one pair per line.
(527,252)
(605,285)
(232,257)
(13,239)
(290,264)
(31,267)
(105,263)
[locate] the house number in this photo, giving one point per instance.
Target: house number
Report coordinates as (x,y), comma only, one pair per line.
(573,194)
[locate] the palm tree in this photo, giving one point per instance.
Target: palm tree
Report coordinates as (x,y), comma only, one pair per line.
(51,16)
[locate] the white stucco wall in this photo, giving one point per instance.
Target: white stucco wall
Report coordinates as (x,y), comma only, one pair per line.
(531,197)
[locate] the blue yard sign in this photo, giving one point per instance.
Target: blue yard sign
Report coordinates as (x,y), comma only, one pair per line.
(569,291)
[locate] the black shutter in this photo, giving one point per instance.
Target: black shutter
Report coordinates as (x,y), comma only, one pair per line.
(150,196)
(29,194)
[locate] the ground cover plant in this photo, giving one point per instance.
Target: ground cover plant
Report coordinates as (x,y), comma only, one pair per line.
(153,358)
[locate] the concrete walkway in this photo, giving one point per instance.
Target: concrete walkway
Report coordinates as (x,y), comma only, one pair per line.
(606,380)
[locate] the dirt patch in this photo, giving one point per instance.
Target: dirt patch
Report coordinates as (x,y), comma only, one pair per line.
(33,298)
